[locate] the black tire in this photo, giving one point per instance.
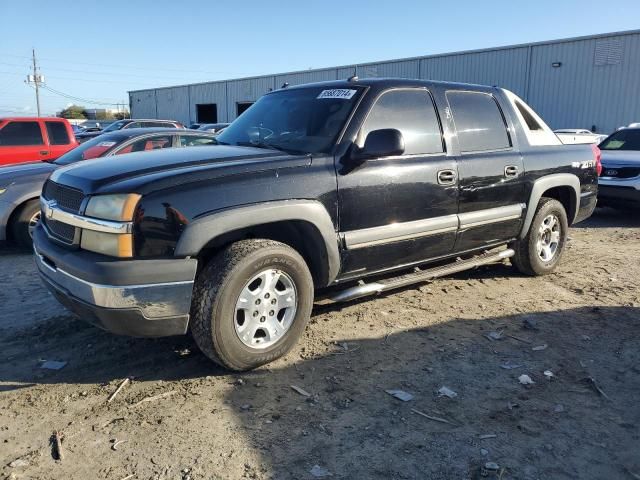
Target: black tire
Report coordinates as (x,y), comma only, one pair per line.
(526,259)
(20,224)
(217,289)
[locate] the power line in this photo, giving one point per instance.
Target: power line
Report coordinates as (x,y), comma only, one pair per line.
(79,99)
(224,72)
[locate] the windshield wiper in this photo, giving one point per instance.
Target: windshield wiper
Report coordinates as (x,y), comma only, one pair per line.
(271,146)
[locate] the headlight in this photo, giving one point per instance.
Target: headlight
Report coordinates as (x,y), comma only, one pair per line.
(2,190)
(118,207)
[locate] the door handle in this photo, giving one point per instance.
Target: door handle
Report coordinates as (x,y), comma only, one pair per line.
(44,152)
(447,177)
(511,171)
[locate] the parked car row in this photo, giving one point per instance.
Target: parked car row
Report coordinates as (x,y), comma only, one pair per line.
(21,185)
(129,123)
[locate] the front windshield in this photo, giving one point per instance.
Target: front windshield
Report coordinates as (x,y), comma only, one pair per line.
(305,120)
(627,139)
(96,147)
(115,126)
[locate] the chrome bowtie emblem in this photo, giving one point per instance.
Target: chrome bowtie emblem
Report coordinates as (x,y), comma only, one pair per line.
(49,206)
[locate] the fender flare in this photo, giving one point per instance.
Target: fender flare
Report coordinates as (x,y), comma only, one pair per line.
(204,229)
(543,184)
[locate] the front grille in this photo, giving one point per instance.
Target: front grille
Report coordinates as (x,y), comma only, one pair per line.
(621,172)
(66,197)
(62,231)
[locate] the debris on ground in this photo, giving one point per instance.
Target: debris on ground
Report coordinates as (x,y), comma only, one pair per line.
(301,391)
(492,466)
(530,323)
(549,374)
(319,472)
(525,379)
(117,390)
(153,398)
(53,364)
(487,435)
(56,440)
(19,462)
(115,442)
(484,452)
(447,392)
(431,417)
(539,347)
(494,335)
(558,408)
(510,366)
(596,387)
(400,395)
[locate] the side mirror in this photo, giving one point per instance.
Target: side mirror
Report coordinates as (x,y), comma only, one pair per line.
(381,143)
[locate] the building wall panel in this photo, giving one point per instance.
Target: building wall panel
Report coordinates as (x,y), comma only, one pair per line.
(173,103)
(505,68)
(214,92)
(142,104)
(587,89)
(248,90)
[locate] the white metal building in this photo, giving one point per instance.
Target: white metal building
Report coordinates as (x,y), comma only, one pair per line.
(572,83)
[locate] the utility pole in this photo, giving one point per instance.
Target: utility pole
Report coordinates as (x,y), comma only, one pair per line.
(36,80)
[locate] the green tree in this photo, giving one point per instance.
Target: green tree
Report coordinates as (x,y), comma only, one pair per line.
(73,111)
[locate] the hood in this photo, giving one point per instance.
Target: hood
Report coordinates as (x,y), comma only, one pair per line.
(25,172)
(620,158)
(144,171)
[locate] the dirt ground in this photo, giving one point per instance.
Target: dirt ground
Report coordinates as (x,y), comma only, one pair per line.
(582,324)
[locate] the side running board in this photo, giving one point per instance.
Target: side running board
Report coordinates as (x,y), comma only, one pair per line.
(366,289)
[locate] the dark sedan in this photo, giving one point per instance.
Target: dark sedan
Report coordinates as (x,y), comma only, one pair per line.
(20,186)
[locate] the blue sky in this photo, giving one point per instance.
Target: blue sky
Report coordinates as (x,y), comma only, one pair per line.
(100,50)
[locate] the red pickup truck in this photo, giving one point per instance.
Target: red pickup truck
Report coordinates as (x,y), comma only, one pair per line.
(27,139)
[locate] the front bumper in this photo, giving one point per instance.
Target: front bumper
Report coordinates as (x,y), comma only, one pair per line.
(141,298)
(619,191)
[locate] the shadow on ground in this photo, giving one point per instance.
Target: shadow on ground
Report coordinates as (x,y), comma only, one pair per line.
(563,427)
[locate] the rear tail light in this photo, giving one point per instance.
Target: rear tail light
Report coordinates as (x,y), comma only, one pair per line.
(598,156)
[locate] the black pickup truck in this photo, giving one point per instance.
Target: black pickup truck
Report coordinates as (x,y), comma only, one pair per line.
(332,190)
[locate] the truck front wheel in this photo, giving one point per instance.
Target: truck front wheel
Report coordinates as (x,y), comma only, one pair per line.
(539,252)
(251,303)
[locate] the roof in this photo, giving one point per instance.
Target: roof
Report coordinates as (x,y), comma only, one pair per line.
(135,132)
(32,119)
(383,83)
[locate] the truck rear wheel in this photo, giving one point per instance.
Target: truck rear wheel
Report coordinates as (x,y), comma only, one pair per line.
(24,222)
(539,252)
(251,303)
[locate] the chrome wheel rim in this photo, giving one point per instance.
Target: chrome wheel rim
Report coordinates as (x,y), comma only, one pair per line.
(548,238)
(33,222)
(265,308)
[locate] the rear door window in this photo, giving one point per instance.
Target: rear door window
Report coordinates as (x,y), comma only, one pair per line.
(57,132)
(21,133)
(479,122)
(144,144)
(194,140)
(412,112)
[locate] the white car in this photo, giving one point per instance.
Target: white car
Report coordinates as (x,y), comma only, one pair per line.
(578,135)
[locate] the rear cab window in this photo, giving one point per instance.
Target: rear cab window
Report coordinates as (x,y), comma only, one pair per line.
(194,140)
(57,132)
(17,133)
(412,112)
(480,124)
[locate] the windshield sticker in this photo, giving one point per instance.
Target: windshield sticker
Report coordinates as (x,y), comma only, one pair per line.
(106,144)
(344,93)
